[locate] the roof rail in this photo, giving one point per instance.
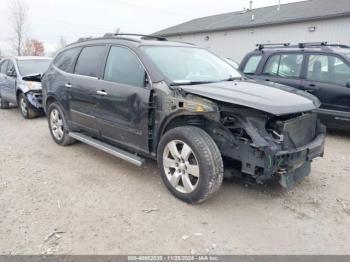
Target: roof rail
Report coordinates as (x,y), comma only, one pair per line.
(121,37)
(339,45)
(312,44)
(268,45)
(300,45)
(303,45)
(144,37)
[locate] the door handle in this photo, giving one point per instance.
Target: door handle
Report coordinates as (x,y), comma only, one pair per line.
(310,90)
(102,93)
(268,80)
(68,85)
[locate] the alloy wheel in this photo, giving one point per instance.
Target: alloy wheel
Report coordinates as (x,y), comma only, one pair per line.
(23,106)
(181,166)
(56,123)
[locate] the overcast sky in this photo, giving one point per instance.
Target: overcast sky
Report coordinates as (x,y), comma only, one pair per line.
(50,19)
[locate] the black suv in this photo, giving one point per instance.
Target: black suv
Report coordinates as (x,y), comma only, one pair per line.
(318,68)
(183,106)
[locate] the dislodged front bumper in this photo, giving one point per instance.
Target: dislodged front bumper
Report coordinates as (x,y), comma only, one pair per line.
(294,165)
(34,97)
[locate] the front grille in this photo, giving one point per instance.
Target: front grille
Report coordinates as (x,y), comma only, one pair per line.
(298,131)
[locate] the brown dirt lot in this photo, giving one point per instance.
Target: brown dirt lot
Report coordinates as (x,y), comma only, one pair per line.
(95,202)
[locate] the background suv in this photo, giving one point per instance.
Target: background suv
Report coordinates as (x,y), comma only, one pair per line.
(318,68)
(20,83)
(183,106)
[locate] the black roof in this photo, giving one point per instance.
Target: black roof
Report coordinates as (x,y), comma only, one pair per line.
(288,13)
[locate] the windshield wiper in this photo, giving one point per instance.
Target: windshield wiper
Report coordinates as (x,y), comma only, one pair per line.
(231,78)
(188,83)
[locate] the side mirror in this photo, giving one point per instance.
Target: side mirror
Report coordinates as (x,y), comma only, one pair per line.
(348,84)
(146,80)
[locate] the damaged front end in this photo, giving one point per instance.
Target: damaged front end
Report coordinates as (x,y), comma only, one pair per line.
(34,97)
(31,87)
(262,146)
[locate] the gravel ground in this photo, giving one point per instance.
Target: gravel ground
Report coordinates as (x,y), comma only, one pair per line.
(78,200)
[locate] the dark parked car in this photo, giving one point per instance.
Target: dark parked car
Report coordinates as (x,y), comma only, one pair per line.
(318,68)
(184,107)
(20,83)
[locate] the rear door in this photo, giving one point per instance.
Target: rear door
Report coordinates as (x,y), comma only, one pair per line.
(326,77)
(123,99)
(283,68)
(83,85)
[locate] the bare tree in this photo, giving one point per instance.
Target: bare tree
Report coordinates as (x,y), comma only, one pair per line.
(18,16)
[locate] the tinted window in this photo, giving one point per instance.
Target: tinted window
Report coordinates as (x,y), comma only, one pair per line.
(89,61)
(288,65)
(4,67)
(124,67)
(330,69)
(30,67)
(252,64)
(66,60)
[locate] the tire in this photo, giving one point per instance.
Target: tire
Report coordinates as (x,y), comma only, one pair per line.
(25,108)
(191,176)
(58,125)
(4,104)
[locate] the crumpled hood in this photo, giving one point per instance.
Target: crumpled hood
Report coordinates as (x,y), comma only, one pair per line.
(273,98)
(33,77)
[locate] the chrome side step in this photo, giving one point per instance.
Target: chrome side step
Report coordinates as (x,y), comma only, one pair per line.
(133,159)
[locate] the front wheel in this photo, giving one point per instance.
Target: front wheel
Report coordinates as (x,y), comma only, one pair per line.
(26,110)
(190,164)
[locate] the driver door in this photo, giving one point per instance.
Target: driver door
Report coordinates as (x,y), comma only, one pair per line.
(123,100)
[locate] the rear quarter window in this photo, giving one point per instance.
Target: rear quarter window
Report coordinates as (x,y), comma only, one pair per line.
(252,64)
(66,60)
(90,60)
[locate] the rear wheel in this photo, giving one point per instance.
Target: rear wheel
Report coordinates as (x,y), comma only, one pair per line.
(26,110)
(58,125)
(4,104)
(190,164)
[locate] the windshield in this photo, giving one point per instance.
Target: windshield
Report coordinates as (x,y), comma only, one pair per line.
(31,67)
(186,65)
(234,64)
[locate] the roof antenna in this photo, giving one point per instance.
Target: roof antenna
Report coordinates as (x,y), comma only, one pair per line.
(279,5)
